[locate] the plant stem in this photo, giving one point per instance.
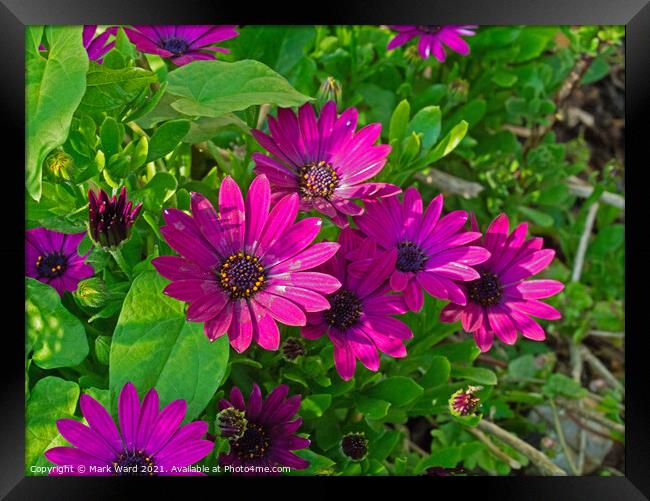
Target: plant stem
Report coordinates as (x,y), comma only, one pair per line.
(539,459)
(560,433)
(121,262)
(514,464)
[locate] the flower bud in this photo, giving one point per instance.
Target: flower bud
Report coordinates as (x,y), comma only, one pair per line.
(464,402)
(111,219)
(330,90)
(60,166)
(92,293)
(232,423)
(293,348)
(355,446)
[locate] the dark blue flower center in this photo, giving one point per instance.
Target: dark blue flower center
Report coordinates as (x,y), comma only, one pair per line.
(486,291)
(430,29)
(410,257)
(51,265)
(345,309)
(241,275)
(176,46)
(254,444)
(317,179)
(134,464)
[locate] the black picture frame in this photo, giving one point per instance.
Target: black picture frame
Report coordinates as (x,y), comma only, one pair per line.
(16,14)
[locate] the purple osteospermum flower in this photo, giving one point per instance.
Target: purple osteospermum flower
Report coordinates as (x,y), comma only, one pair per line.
(97,46)
(359,321)
(432,38)
(52,258)
(431,251)
(323,160)
(150,442)
(269,436)
(183,43)
(244,268)
(501,301)
(111,219)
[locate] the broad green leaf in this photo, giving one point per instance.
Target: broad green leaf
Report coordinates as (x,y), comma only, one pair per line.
(158,190)
(279,47)
(55,336)
(166,138)
(397,390)
(427,122)
(538,217)
(52,398)
(399,122)
(110,134)
(465,351)
(110,89)
(476,374)
(437,374)
(318,465)
(563,386)
(448,144)
(372,408)
(206,128)
(153,346)
(214,88)
(315,405)
(55,84)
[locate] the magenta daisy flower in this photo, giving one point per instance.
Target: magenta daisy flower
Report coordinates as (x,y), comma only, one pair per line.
(360,319)
(111,219)
(150,441)
(181,43)
(51,257)
(501,301)
(432,38)
(97,46)
(323,160)
(245,268)
(431,250)
(269,435)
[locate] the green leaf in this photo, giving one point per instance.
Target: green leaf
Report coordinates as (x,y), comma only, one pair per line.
(399,122)
(446,457)
(214,88)
(166,138)
(504,78)
(318,465)
(206,128)
(372,408)
(153,346)
(279,47)
(538,217)
(109,89)
(158,190)
(476,374)
(608,240)
(437,374)
(522,367)
(448,144)
(111,134)
(315,405)
(465,351)
(561,385)
(52,398)
(599,68)
(427,122)
(55,336)
(54,87)
(398,390)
